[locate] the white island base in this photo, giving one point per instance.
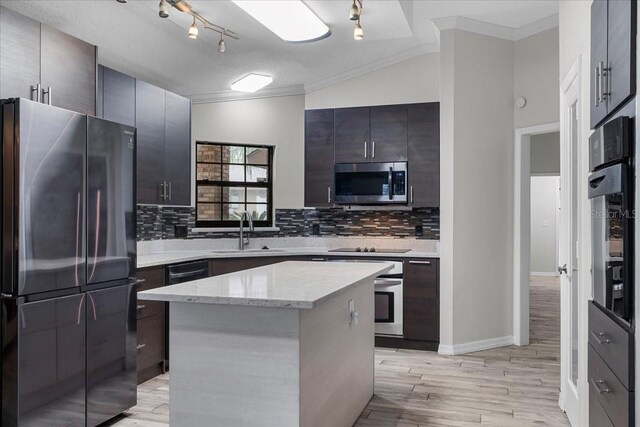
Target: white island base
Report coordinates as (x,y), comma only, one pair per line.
(251,365)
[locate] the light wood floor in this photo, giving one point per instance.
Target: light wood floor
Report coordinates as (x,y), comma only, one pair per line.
(510,386)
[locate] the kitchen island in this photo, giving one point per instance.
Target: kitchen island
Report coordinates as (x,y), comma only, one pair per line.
(289,344)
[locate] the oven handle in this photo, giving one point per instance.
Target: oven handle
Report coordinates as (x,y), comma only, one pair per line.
(607,181)
(387,282)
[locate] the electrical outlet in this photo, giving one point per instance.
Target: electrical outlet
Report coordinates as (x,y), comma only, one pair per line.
(180,231)
(315,229)
(353,314)
(419,232)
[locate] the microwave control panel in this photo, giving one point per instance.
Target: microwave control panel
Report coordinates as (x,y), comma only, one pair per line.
(399,183)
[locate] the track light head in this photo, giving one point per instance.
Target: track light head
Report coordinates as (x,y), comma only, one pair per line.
(163,9)
(121,1)
(358,34)
(221,46)
(354,13)
(193,30)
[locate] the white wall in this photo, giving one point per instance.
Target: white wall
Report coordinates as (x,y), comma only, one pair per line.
(476,210)
(544,215)
(535,77)
(271,121)
(545,153)
(410,81)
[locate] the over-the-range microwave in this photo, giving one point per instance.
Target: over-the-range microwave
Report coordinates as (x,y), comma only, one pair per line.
(370,183)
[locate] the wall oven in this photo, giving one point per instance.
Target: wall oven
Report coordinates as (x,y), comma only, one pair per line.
(370,183)
(612,214)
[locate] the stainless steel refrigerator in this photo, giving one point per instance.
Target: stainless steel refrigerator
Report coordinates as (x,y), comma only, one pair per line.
(68,302)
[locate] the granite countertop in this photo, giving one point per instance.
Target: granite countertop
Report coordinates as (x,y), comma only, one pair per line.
(290,284)
(171,257)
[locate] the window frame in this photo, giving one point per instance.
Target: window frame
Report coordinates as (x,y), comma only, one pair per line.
(221,223)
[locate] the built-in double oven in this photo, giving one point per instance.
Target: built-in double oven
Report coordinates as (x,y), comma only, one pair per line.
(611,191)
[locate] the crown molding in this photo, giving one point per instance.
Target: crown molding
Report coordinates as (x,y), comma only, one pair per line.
(230,95)
(372,66)
(494,30)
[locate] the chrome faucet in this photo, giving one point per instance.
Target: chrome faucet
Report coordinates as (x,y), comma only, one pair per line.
(245,240)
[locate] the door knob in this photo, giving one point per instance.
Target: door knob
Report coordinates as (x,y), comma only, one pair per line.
(562,269)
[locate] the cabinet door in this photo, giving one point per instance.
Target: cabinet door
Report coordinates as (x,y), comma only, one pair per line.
(351,135)
(19,55)
(178,149)
(150,102)
(598,59)
(421,300)
(424,154)
(318,157)
(116,96)
(68,66)
(389,133)
(621,51)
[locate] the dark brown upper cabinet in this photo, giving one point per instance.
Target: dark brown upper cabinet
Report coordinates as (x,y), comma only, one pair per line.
(424,154)
(150,104)
(318,154)
(19,55)
(352,135)
(388,133)
(613,53)
(163,120)
(34,55)
(116,96)
(177,160)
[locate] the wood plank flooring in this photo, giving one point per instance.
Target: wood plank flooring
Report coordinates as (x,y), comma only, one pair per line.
(509,386)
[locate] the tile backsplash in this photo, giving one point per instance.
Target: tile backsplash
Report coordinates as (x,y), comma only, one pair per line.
(158,222)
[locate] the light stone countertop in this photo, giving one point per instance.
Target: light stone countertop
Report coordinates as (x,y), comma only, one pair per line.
(172,257)
(290,284)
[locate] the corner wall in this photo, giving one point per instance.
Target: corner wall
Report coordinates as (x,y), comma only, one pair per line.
(477,121)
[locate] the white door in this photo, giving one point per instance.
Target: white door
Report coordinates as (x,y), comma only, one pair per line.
(568,257)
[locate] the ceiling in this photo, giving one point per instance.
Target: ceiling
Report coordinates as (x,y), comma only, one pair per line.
(133,39)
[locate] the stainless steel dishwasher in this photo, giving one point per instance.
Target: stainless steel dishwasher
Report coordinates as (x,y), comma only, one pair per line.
(180,273)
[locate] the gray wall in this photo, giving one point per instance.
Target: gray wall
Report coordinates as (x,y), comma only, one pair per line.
(544,217)
(545,154)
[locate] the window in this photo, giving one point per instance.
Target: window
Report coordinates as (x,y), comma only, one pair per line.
(231,179)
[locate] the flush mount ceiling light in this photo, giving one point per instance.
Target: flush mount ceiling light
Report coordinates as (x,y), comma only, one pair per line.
(193,30)
(251,83)
(291,20)
(185,7)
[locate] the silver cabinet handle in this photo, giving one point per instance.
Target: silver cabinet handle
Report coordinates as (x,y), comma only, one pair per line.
(48,93)
(596,85)
(318,259)
(411,194)
(141,346)
(365,149)
(140,306)
(373,149)
(597,385)
(170,192)
(329,194)
(162,190)
(140,281)
(420,262)
(606,87)
(600,337)
(37,88)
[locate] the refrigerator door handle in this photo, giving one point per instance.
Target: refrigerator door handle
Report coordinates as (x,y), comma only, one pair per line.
(96,246)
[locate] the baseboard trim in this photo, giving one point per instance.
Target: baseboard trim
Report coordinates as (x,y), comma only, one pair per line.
(470,347)
(545,273)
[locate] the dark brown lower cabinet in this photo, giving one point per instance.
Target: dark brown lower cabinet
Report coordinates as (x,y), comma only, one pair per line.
(151,326)
(421,300)
(224,266)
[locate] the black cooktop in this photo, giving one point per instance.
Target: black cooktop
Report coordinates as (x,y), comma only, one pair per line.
(379,250)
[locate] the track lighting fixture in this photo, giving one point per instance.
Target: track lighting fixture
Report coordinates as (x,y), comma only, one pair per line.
(163,11)
(193,30)
(354,13)
(121,1)
(358,34)
(221,46)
